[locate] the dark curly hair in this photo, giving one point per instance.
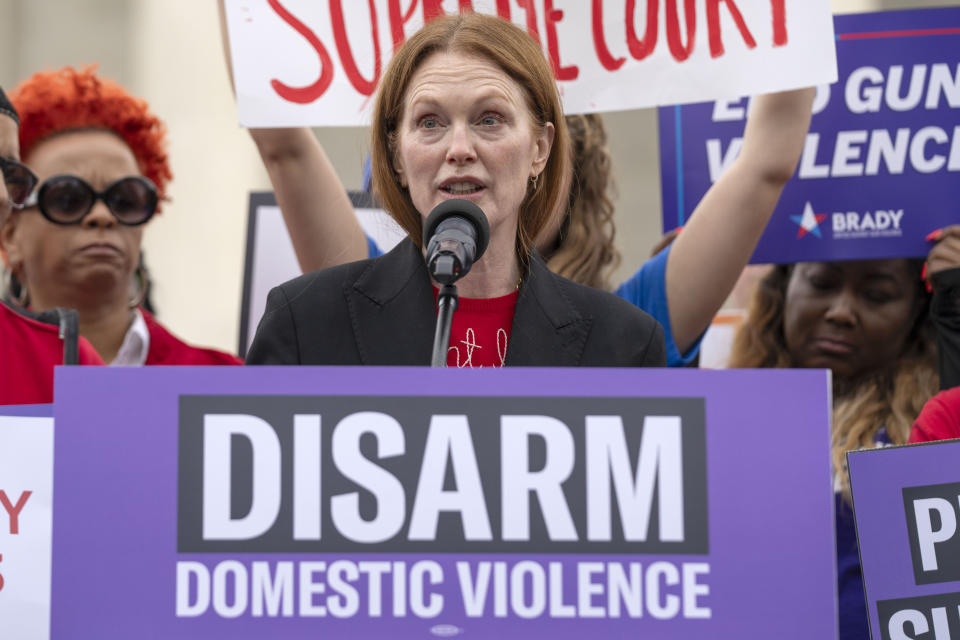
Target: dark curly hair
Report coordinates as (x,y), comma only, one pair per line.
(585,252)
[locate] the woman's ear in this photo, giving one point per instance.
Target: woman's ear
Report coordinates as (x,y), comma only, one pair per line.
(398,171)
(395,162)
(542,144)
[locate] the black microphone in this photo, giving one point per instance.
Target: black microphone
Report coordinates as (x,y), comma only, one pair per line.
(456,234)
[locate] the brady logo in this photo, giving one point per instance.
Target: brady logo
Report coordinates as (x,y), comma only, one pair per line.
(933,524)
(883,223)
(442,474)
(809,222)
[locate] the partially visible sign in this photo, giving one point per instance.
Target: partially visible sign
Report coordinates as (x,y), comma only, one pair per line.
(318,62)
(907,506)
(367,502)
(881,166)
(26,501)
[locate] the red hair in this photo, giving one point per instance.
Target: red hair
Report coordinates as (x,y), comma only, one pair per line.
(518,55)
(53,102)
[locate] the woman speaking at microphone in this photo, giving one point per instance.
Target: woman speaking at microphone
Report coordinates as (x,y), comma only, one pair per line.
(467,109)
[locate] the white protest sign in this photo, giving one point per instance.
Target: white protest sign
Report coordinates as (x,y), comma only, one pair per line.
(318,62)
(26,523)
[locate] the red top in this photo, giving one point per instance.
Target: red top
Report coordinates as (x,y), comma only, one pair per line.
(28,352)
(166,348)
(480,331)
(940,418)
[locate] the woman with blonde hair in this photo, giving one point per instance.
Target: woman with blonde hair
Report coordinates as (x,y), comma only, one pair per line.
(869,323)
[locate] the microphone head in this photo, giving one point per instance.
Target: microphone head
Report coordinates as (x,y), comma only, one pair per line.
(463,209)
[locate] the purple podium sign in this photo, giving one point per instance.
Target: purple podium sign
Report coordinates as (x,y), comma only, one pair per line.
(289,502)
(907,506)
(880,167)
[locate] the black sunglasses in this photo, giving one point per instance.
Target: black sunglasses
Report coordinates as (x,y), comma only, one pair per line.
(18,179)
(67,199)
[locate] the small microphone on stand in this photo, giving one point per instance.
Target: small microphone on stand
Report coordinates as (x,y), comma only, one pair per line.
(456,234)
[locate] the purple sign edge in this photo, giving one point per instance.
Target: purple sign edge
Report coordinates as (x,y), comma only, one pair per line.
(26,411)
(871,482)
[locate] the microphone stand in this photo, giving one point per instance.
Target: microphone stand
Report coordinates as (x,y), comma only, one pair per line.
(455,234)
(446,305)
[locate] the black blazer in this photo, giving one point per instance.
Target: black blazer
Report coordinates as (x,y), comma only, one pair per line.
(382,312)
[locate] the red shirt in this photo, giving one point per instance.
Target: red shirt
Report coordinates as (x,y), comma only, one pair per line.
(480,331)
(940,418)
(28,352)
(166,348)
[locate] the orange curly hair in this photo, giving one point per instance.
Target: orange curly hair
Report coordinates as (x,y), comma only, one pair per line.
(51,102)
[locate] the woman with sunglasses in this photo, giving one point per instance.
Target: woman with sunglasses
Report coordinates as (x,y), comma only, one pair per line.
(30,344)
(100,157)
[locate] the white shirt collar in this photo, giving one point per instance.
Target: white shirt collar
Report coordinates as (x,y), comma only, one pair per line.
(136,344)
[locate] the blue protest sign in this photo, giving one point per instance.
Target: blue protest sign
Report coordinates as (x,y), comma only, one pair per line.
(881,163)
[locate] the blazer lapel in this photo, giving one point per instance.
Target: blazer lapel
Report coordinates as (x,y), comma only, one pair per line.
(392,309)
(393,313)
(548,330)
